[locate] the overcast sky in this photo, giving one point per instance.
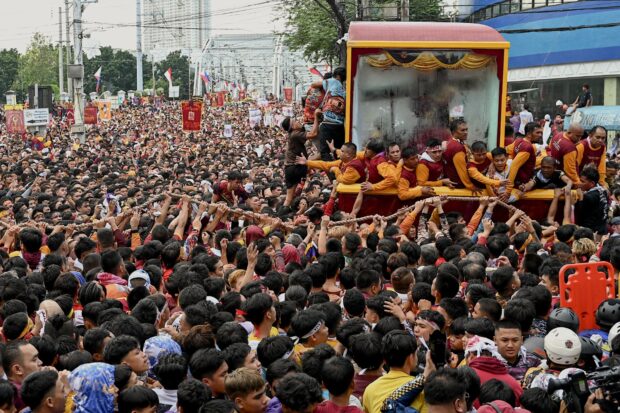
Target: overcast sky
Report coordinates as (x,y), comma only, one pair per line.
(22,18)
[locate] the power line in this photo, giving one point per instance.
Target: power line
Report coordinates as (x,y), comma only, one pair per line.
(560,29)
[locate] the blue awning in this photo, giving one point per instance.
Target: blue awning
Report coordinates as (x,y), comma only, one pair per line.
(530,49)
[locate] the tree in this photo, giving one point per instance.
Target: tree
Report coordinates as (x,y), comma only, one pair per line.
(118,70)
(9,66)
(315,26)
(38,65)
(180,72)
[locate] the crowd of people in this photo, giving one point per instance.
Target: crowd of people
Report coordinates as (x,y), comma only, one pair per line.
(151,270)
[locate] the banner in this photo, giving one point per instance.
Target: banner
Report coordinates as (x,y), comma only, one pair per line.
(15,121)
(288,111)
(90,115)
(254,117)
(220,98)
(288,94)
(228,132)
(70,117)
(192,113)
(242,95)
(105,110)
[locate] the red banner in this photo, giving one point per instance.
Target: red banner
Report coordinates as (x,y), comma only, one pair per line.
(90,115)
(15,121)
(70,117)
(220,98)
(242,95)
(192,113)
(288,94)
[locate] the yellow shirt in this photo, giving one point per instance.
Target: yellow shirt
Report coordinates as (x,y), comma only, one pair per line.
(379,390)
(253,340)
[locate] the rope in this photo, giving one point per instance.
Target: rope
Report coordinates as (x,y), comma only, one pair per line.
(410,208)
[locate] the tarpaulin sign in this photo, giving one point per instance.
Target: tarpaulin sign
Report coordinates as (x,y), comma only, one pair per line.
(15,121)
(105,110)
(70,117)
(242,95)
(288,94)
(192,113)
(90,115)
(220,99)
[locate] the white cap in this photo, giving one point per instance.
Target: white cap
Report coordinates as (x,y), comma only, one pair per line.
(559,103)
(613,332)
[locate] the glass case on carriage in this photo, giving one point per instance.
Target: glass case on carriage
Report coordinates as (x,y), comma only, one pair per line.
(407,81)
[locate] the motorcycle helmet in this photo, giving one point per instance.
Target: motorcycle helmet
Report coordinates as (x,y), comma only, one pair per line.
(563,346)
(608,313)
(613,332)
(563,317)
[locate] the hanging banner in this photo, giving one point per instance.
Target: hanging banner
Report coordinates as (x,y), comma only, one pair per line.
(90,115)
(254,117)
(192,113)
(242,95)
(105,110)
(15,121)
(70,117)
(288,94)
(228,131)
(268,119)
(220,98)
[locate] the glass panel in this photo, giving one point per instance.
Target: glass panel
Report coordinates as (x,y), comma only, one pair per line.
(504,8)
(496,10)
(515,6)
(526,4)
(540,3)
(411,106)
(553,2)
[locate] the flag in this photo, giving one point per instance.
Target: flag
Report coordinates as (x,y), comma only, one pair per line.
(315,71)
(98,77)
(234,85)
(168,75)
(205,77)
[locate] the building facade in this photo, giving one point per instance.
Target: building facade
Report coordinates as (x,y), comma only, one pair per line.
(175,24)
(556,47)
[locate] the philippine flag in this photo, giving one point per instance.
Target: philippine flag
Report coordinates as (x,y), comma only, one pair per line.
(168,75)
(98,77)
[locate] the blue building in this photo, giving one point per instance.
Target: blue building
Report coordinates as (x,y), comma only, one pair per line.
(556,47)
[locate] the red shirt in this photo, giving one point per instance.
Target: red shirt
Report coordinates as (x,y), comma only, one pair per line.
(373,173)
(526,172)
(327,406)
(453,147)
(559,147)
(591,156)
(358,166)
(409,176)
(435,169)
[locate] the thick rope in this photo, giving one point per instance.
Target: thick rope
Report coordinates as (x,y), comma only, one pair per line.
(410,208)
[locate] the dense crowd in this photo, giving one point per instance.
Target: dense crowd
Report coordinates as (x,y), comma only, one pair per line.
(152,270)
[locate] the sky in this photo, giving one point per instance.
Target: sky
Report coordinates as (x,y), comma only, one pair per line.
(23,18)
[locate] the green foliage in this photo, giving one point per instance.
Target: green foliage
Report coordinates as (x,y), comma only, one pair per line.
(38,65)
(180,75)
(311,29)
(314,26)
(9,66)
(118,71)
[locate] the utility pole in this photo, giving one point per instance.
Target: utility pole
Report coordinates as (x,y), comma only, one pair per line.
(68,37)
(61,76)
(139,81)
(78,103)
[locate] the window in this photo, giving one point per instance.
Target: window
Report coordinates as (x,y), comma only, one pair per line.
(526,4)
(540,3)
(496,10)
(515,6)
(505,8)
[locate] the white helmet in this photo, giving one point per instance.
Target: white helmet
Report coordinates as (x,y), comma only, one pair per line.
(613,332)
(563,346)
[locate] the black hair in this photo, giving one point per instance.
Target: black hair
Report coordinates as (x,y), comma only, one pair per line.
(256,307)
(298,392)
(502,279)
(444,386)
(74,359)
(190,295)
(365,348)
(537,400)
(136,397)
(476,292)
(281,368)
(170,370)
(205,362)
(47,348)
(482,327)
(337,374)
(37,386)
(540,296)
(215,406)
(354,302)
(313,359)
(235,355)
(230,333)
(304,321)
(591,174)
(521,311)
(495,389)
(118,348)
(455,307)
(531,127)
(8,393)
(396,346)
(271,349)
(491,307)
(446,285)
(422,291)
(192,394)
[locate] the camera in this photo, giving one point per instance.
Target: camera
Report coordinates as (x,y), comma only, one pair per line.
(578,387)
